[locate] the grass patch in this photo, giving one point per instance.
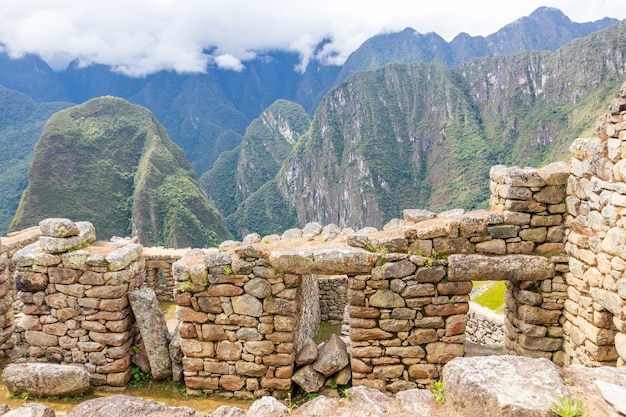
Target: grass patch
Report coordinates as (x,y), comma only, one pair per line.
(326,329)
(493,297)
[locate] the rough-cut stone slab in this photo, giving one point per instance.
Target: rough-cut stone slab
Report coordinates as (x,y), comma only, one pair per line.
(153,329)
(507,386)
(58,227)
(127,406)
(324,260)
(45,379)
(122,257)
(499,268)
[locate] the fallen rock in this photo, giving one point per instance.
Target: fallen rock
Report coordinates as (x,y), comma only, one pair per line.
(153,329)
(332,356)
(514,385)
(308,379)
(45,379)
(127,406)
(31,410)
(307,353)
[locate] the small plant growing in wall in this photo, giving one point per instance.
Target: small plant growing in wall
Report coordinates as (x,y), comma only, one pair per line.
(227,271)
(567,407)
(438,392)
(185,285)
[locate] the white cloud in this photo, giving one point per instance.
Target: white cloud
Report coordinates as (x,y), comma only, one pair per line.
(143,36)
(228,61)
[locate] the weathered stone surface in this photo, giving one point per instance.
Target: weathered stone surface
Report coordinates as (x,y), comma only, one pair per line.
(501,268)
(307,353)
(123,257)
(45,380)
(58,227)
(153,329)
(386,299)
(258,287)
(31,410)
(228,411)
(63,275)
(324,260)
(266,407)
(127,406)
(30,282)
(308,379)
(248,305)
(393,270)
(514,385)
(332,356)
(441,352)
(417,215)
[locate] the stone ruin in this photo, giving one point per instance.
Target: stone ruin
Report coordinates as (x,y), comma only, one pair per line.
(247,310)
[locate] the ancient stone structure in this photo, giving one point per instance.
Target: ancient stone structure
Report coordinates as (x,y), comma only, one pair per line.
(555,235)
(595,313)
(73,300)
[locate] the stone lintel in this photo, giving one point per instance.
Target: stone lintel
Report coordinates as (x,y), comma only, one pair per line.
(324,260)
(499,268)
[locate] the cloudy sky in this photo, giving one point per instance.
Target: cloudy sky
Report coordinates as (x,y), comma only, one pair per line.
(138,37)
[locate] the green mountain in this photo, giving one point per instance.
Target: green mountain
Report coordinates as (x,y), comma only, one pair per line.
(242,180)
(424,135)
(110,162)
(21,122)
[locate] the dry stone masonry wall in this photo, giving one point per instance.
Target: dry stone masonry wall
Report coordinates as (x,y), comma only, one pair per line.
(239,318)
(73,300)
(532,203)
(9,245)
(595,327)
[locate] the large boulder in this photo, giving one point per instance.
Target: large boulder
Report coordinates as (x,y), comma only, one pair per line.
(46,379)
(127,406)
(153,329)
(507,386)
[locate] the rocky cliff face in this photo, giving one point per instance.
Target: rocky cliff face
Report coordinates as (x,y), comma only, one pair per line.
(241,184)
(424,135)
(111,162)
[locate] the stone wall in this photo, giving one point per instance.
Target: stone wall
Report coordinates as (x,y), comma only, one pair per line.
(9,245)
(532,203)
(159,274)
(238,322)
(484,326)
(595,326)
(74,304)
(333,291)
